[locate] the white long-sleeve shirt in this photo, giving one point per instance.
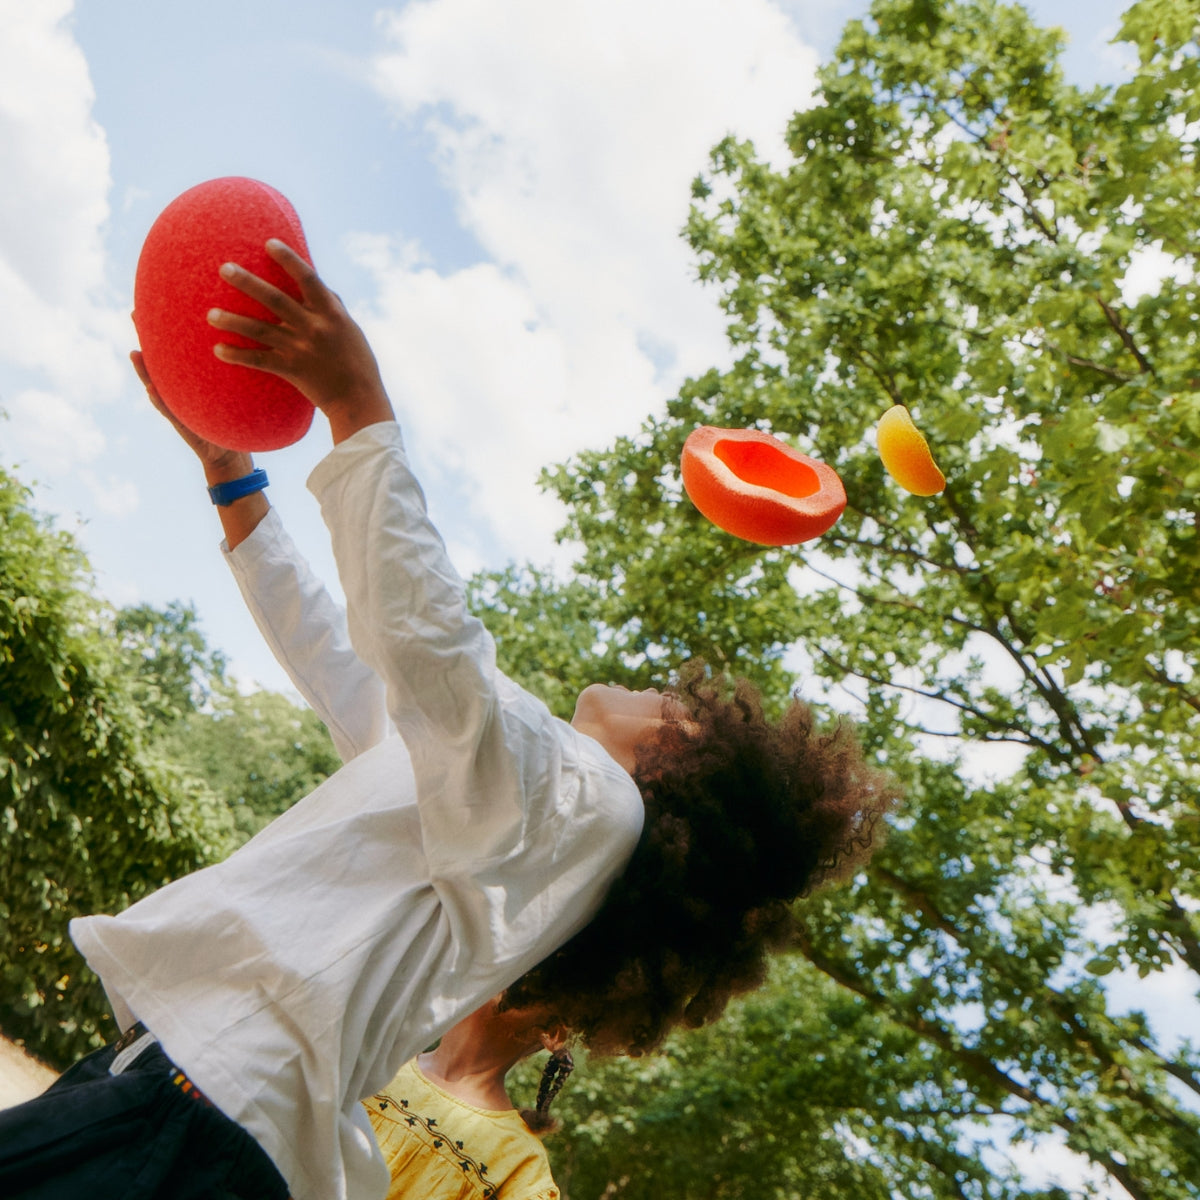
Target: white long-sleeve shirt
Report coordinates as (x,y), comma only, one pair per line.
(425,876)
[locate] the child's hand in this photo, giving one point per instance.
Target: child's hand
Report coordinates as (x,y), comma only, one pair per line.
(240,518)
(316,346)
(219,464)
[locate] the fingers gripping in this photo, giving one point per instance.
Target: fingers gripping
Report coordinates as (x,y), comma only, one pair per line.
(265,332)
(294,318)
(313,343)
(250,356)
(270,297)
(139,365)
(312,290)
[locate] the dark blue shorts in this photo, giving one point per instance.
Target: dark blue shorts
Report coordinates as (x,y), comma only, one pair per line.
(143,1133)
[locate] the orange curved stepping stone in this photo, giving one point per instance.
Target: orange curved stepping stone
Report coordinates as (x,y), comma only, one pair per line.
(905,453)
(756,487)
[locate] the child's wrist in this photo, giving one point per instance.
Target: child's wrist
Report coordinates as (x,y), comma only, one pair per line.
(233,466)
(347,417)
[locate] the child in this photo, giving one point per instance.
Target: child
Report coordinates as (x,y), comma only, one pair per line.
(446,1125)
(472,845)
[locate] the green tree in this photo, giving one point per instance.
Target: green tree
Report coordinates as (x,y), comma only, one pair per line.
(175,671)
(791,1094)
(127,759)
(959,230)
(258,751)
(89,821)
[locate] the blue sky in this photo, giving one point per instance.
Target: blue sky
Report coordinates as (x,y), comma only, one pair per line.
(495,189)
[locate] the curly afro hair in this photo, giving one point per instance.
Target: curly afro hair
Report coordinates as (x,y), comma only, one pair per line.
(743,815)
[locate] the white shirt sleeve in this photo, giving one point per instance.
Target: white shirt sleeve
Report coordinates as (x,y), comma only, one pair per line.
(408,620)
(306,631)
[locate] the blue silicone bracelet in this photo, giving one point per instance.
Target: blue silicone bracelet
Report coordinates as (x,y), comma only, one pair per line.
(226,493)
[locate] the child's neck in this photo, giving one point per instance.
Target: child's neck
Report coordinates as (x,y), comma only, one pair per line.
(479,1085)
(473,1058)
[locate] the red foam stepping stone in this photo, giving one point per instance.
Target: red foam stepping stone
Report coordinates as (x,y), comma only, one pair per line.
(758,488)
(223,220)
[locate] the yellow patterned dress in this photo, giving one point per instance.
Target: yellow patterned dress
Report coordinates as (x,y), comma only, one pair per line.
(440,1148)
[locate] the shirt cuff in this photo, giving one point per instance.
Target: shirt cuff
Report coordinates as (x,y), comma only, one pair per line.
(365,442)
(255,544)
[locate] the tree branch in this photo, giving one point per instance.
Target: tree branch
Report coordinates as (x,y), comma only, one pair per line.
(893,601)
(1029,208)
(885,382)
(993,722)
(1173,685)
(1086,363)
(1110,315)
(1074,732)
(974,1061)
(919,900)
(903,551)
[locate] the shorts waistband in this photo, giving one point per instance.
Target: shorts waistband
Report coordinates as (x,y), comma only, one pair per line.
(130,1046)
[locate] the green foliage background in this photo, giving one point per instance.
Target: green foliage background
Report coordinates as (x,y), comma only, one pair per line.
(126,760)
(953,232)
(89,821)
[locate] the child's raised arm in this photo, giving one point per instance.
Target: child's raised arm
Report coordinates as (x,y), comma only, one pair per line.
(302,625)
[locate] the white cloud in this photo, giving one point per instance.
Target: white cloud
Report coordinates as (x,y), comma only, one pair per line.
(569,135)
(491,393)
(72,347)
(1115,60)
(1046,1161)
(56,152)
(1149,267)
(1168,999)
(59,330)
(112,496)
(52,432)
